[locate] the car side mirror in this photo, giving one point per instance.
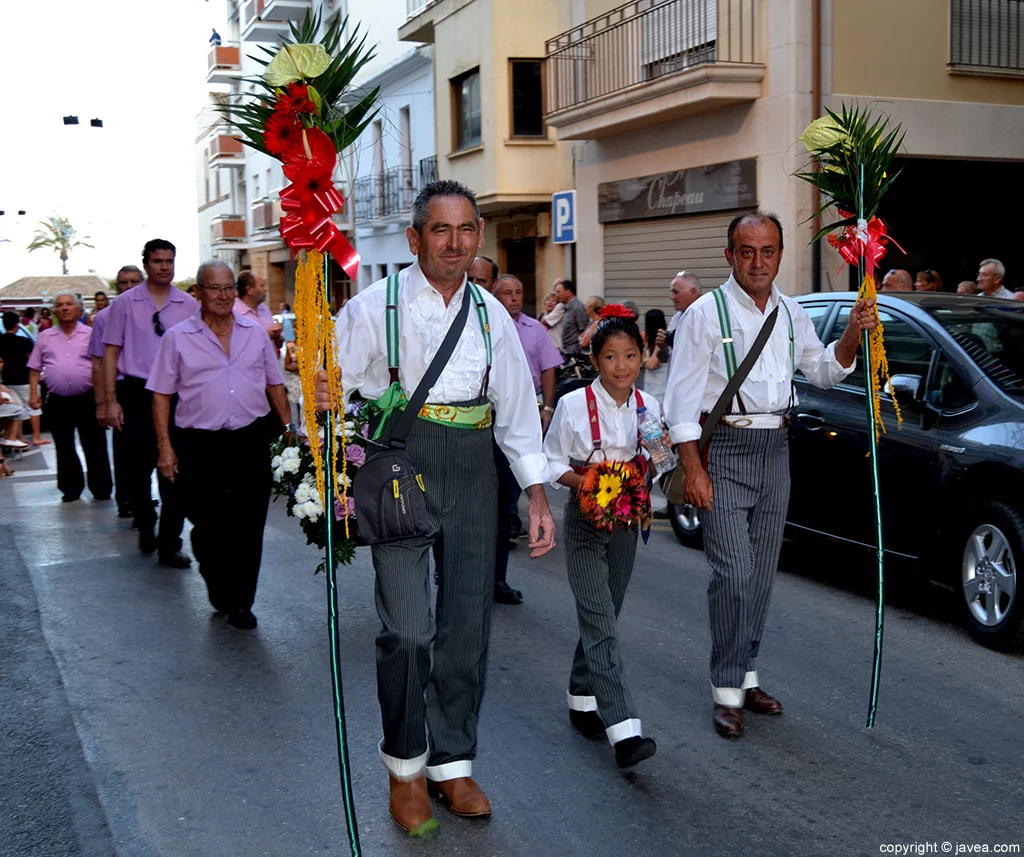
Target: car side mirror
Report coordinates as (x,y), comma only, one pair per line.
(906,388)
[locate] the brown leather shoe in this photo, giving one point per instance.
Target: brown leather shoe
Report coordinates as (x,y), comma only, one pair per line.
(761,703)
(410,807)
(463,796)
(728,721)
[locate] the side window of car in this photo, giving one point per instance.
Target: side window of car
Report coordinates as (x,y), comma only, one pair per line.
(908,352)
(950,392)
(818,314)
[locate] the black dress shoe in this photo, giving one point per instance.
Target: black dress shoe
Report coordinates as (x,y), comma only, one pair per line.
(67,498)
(242,618)
(147,540)
(629,751)
(728,721)
(124,511)
(761,703)
(587,723)
(175,559)
(505,594)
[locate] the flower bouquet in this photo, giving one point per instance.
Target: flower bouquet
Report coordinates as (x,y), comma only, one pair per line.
(615,493)
(294,478)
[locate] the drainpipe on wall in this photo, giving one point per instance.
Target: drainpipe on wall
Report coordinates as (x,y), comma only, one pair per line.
(815,113)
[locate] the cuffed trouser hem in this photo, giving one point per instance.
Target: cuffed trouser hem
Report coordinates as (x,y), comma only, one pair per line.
(402,769)
(450,770)
(581,703)
(735,696)
(622,730)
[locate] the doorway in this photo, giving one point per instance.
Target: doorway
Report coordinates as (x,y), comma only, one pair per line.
(521,261)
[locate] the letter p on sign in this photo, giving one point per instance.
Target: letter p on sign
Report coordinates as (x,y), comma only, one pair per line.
(563,206)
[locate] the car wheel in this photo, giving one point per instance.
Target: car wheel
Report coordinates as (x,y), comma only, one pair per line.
(993,559)
(686,525)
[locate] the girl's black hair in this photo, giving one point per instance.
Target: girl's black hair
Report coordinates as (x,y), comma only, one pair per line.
(615,326)
(654,320)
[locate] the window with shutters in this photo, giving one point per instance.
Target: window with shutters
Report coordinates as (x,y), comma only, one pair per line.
(677,36)
(985,36)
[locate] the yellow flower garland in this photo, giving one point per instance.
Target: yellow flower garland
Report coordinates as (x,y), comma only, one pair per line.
(316,347)
(879,363)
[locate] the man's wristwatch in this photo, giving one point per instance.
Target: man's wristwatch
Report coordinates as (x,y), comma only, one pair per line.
(548,409)
(290,427)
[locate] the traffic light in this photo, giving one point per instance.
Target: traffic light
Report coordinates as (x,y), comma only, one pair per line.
(70,120)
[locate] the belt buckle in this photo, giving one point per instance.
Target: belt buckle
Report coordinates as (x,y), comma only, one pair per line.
(742,422)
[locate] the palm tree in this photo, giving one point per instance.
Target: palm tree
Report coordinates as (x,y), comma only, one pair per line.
(59,235)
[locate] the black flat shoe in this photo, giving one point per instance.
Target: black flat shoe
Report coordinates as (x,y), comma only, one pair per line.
(629,751)
(147,540)
(505,594)
(124,512)
(175,559)
(587,723)
(242,619)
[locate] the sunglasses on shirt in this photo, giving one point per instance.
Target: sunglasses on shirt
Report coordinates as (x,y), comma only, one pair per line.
(157,326)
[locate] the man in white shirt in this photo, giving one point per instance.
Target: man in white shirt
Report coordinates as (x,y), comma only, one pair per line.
(684,290)
(742,485)
(990,280)
(440,686)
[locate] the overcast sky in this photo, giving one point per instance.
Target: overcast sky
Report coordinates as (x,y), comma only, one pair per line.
(140,66)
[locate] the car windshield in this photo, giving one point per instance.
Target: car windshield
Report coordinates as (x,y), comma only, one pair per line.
(993,337)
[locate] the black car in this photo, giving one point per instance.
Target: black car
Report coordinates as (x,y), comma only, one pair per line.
(952,478)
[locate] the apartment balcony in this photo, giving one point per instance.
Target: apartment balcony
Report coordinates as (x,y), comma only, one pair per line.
(266,214)
(226,151)
(268,20)
(228,229)
(650,61)
(225,65)
(419,24)
(385,195)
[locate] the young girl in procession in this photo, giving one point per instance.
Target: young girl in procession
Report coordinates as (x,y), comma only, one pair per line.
(590,425)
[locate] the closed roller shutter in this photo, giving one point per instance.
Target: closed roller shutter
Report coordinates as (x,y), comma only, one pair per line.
(642,256)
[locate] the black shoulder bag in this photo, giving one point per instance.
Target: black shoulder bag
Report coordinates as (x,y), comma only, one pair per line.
(387,489)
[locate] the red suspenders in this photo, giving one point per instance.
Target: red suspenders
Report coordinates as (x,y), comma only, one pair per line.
(595,428)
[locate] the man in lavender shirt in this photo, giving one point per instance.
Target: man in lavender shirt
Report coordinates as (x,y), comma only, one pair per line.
(252,303)
(544,358)
(61,353)
(135,324)
(223,369)
(128,277)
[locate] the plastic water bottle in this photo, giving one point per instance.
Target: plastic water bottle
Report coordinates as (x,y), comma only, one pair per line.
(663,459)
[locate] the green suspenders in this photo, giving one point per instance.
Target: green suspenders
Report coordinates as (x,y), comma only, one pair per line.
(725,325)
(391,323)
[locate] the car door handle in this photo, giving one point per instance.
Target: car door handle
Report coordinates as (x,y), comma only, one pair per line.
(812,421)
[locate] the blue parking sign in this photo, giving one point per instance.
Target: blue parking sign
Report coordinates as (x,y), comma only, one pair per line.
(563,217)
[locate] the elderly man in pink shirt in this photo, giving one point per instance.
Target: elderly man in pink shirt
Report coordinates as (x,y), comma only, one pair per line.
(136,322)
(252,303)
(128,277)
(224,370)
(61,355)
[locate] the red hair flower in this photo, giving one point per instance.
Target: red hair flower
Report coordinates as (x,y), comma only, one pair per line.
(282,135)
(294,100)
(616,311)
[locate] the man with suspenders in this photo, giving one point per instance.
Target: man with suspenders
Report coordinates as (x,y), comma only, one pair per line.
(741,483)
(431,661)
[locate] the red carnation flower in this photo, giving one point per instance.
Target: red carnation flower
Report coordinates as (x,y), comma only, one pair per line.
(616,311)
(294,100)
(281,135)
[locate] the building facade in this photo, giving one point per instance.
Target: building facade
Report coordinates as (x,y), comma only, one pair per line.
(687,112)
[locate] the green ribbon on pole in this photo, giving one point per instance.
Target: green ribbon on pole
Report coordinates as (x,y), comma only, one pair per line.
(332,615)
(869,381)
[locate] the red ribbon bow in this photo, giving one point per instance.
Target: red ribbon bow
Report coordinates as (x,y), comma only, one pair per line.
(867,239)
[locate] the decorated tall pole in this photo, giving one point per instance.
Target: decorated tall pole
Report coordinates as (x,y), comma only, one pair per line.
(304,114)
(853,154)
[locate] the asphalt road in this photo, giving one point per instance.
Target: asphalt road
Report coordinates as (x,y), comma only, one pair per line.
(134,721)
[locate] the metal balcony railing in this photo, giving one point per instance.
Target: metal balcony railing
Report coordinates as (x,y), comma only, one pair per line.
(384,195)
(986,35)
(643,41)
(428,171)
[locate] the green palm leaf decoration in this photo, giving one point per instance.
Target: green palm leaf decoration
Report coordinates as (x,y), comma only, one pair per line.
(842,143)
(345,111)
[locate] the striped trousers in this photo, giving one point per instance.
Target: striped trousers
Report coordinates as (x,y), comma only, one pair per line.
(600,565)
(431,663)
(749,470)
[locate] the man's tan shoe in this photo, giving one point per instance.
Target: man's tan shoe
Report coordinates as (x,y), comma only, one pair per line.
(463,796)
(410,806)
